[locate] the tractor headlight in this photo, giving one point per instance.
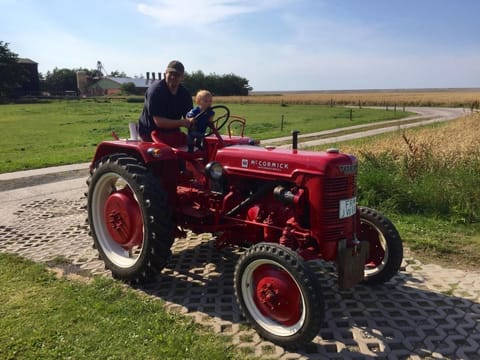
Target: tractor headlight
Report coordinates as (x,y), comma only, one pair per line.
(154,152)
(214,171)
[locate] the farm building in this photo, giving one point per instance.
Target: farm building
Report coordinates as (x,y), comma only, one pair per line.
(30,83)
(109,85)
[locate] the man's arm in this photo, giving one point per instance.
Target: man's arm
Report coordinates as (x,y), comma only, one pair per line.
(166,123)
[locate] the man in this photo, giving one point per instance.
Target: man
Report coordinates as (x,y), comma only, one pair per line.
(166,103)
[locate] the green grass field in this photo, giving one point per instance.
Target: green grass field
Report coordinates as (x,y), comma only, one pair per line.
(67,132)
(43,317)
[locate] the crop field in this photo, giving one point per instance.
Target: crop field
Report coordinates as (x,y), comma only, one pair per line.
(466,98)
(452,144)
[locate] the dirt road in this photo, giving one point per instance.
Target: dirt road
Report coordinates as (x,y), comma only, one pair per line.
(424,116)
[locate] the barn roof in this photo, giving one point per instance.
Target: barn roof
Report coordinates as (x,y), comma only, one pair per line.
(25,61)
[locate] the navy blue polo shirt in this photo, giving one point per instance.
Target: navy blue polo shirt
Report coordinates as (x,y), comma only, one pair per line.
(159,101)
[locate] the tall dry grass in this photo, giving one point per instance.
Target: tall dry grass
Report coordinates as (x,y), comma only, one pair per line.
(468,98)
(451,144)
(433,171)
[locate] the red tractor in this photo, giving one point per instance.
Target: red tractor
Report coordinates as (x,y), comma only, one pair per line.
(286,206)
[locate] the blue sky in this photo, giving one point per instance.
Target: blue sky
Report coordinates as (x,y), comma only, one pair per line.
(275,44)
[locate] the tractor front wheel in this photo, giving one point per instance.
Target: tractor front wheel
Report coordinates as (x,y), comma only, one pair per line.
(279,294)
(386,249)
(129,218)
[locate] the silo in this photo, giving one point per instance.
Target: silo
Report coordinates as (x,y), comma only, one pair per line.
(82,82)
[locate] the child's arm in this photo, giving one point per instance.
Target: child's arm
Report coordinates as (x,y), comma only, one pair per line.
(210,120)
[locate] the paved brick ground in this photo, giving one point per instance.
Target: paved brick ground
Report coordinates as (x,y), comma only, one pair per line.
(426,312)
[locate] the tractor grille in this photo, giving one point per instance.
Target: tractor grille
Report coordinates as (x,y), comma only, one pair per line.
(336,189)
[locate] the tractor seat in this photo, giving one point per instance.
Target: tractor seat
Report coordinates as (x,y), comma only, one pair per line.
(177,141)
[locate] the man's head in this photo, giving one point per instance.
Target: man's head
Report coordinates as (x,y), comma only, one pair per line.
(174,75)
(176,67)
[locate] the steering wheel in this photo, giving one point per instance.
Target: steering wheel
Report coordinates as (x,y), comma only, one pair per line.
(222,118)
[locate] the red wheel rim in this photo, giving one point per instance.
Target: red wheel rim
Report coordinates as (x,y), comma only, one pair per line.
(377,252)
(276,295)
(123,219)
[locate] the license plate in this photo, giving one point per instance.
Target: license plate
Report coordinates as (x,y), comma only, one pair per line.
(348,207)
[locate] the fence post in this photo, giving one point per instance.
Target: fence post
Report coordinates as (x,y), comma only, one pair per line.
(281,124)
(351,114)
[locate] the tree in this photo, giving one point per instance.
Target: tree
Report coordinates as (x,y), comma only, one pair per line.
(11,72)
(195,81)
(224,85)
(89,72)
(60,80)
(117,73)
(128,88)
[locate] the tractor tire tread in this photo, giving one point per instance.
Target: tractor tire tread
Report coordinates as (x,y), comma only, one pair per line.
(301,271)
(156,257)
(394,244)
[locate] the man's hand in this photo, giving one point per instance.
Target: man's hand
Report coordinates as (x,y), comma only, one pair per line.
(190,121)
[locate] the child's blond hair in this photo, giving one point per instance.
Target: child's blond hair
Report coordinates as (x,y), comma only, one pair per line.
(201,94)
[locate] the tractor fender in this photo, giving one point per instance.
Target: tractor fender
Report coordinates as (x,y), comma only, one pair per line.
(148,152)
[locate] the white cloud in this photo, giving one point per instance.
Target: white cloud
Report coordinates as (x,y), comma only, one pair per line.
(201,12)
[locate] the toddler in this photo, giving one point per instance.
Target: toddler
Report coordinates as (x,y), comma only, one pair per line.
(202,116)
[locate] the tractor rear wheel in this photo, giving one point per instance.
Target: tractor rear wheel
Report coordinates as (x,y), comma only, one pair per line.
(386,249)
(279,294)
(129,218)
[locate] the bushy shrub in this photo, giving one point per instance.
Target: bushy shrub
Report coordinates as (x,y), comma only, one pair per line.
(135,99)
(422,184)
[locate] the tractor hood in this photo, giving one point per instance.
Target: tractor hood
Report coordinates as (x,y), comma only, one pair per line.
(270,162)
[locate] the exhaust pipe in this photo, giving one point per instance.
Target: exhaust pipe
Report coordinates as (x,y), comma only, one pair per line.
(295,139)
